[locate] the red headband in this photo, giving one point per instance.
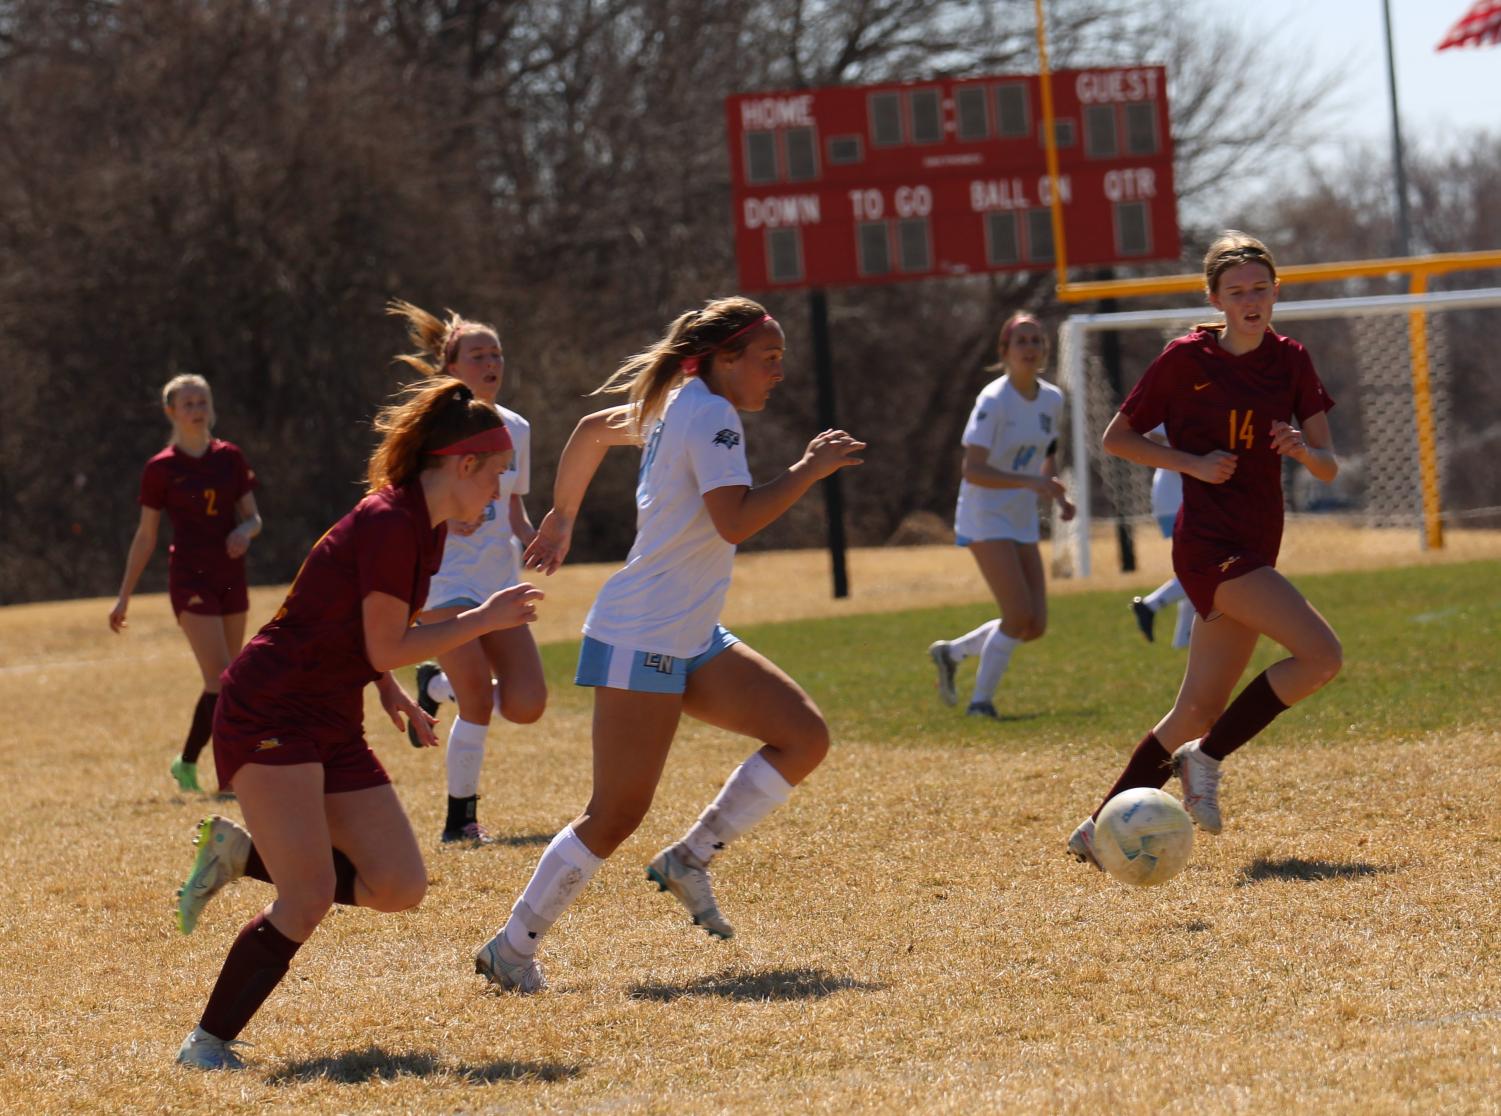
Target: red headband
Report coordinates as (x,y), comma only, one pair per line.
(691,363)
(494,440)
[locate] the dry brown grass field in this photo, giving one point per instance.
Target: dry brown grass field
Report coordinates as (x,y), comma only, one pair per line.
(909,934)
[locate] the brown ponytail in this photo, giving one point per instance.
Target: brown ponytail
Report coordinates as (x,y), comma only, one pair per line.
(437,340)
(647,377)
(424,417)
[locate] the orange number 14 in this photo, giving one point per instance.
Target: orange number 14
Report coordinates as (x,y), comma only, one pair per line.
(210,494)
(1241,430)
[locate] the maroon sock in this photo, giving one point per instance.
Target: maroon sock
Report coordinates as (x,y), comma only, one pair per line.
(344,876)
(256,963)
(202,728)
(1255,708)
(1149,766)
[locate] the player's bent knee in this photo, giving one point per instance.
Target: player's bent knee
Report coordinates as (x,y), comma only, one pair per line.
(524,710)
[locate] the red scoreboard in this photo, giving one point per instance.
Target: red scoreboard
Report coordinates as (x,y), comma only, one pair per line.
(882,183)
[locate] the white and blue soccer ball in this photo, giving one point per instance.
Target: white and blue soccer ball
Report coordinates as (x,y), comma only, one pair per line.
(1143,837)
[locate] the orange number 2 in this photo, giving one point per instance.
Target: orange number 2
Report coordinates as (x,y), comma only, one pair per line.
(210,494)
(1241,430)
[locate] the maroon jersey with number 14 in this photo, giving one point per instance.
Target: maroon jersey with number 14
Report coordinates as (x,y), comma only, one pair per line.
(1209,399)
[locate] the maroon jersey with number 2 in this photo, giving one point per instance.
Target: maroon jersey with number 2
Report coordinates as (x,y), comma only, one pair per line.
(296,692)
(1209,399)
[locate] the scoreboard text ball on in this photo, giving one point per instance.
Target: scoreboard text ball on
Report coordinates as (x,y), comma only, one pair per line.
(880,183)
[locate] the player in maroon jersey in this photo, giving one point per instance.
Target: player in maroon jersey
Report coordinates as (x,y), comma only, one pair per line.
(1229,397)
(289,730)
(207,490)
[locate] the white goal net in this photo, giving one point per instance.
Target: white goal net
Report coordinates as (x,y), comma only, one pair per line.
(1419,441)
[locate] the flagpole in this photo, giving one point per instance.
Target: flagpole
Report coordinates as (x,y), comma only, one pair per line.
(1404,225)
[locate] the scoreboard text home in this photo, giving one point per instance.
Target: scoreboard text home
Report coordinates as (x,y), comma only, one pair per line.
(878,183)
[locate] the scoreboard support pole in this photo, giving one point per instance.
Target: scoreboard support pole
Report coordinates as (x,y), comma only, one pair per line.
(833,494)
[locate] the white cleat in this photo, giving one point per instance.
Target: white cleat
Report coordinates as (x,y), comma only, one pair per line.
(689,884)
(202,1050)
(1200,775)
(508,970)
(223,849)
(1081,844)
(938,651)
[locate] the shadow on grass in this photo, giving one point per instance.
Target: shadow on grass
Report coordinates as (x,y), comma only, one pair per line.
(521,840)
(356,1067)
(1296,868)
(758,985)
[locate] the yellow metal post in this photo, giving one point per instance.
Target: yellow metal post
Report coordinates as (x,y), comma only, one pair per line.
(1422,405)
(1050,145)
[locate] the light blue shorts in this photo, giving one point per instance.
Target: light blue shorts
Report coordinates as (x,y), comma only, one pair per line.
(1166,523)
(452,602)
(647,672)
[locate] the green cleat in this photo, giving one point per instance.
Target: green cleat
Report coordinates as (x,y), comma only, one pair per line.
(186,775)
(223,849)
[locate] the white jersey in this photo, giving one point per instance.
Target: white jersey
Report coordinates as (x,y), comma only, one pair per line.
(1016,433)
(668,597)
(474,566)
(1167,487)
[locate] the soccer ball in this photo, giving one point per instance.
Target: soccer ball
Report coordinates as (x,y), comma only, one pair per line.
(1143,837)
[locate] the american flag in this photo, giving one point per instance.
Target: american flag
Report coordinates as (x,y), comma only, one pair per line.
(1480,25)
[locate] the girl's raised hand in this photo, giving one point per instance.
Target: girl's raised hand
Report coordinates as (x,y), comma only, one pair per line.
(831,451)
(1287,440)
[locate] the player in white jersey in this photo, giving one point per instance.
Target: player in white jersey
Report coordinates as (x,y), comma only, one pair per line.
(1167,498)
(653,646)
(1009,445)
(501,671)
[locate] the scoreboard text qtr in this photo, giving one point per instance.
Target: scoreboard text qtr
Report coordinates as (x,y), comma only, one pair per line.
(882,183)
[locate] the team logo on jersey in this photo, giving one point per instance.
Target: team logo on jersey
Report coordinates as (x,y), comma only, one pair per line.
(982,416)
(727,438)
(1228,562)
(195,599)
(1201,387)
(1047,423)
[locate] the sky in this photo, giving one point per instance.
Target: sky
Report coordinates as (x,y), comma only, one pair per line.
(1441,95)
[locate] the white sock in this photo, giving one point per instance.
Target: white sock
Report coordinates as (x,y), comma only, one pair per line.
(440,689)
(994,659)
(465,756)
(753,790)
(972,643)
(1164,595)
(566,867)
(1184,629)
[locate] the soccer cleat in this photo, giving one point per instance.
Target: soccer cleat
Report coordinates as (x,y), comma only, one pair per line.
(982,709)
(1200,775)
(690,885)
(1145,617)
(938,651)
(472,832)
(1081,844)
(202,1050)
(425,672)
(186,775)
(223,849)
(508,970)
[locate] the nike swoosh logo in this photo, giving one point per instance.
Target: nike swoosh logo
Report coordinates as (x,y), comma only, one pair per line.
(1201,387)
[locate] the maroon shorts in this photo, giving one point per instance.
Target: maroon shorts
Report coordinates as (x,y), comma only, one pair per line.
(348,764)
(207,593)
(1201,571)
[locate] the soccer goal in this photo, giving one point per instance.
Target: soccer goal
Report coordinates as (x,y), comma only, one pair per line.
(1417,417)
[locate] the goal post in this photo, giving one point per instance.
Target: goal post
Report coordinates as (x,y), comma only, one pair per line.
(1391,363)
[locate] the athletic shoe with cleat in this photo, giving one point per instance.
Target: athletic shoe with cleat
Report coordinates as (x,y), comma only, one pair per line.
(425,672)
(982,709)
(202,1050)
(508,970)
(1081,844)
(690,885)
(186,775)
(223,849)
(1200,775)
(938,651)
(1146,619)
(474,833)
